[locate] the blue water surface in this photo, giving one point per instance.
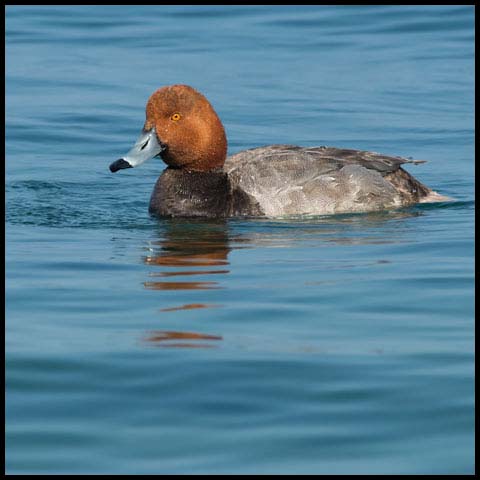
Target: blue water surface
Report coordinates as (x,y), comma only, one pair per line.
(340,344)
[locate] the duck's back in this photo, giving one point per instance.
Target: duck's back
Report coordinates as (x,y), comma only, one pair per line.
(287,179)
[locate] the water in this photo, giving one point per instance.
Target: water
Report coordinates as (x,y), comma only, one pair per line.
(326,345)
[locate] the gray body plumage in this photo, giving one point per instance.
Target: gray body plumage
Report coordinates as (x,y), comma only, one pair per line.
(287,179)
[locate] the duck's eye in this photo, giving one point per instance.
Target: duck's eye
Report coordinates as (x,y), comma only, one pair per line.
(175,117)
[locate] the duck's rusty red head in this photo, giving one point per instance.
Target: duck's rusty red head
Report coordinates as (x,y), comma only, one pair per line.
(183,128)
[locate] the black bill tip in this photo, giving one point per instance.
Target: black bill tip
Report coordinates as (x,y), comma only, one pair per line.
(119,165)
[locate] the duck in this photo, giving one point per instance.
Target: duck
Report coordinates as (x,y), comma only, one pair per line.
(184,130)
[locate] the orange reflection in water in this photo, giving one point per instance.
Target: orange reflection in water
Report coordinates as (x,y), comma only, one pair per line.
(181,285)
(186,249)
(188,306)
(194,260)
(191,245)
(181,273)
(165,338)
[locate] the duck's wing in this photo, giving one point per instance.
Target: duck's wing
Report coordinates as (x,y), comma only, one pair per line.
(372,160)
(323,159)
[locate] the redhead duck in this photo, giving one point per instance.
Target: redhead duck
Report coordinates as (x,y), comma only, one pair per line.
(184,130)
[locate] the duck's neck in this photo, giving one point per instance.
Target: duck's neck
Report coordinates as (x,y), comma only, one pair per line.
(179,193)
